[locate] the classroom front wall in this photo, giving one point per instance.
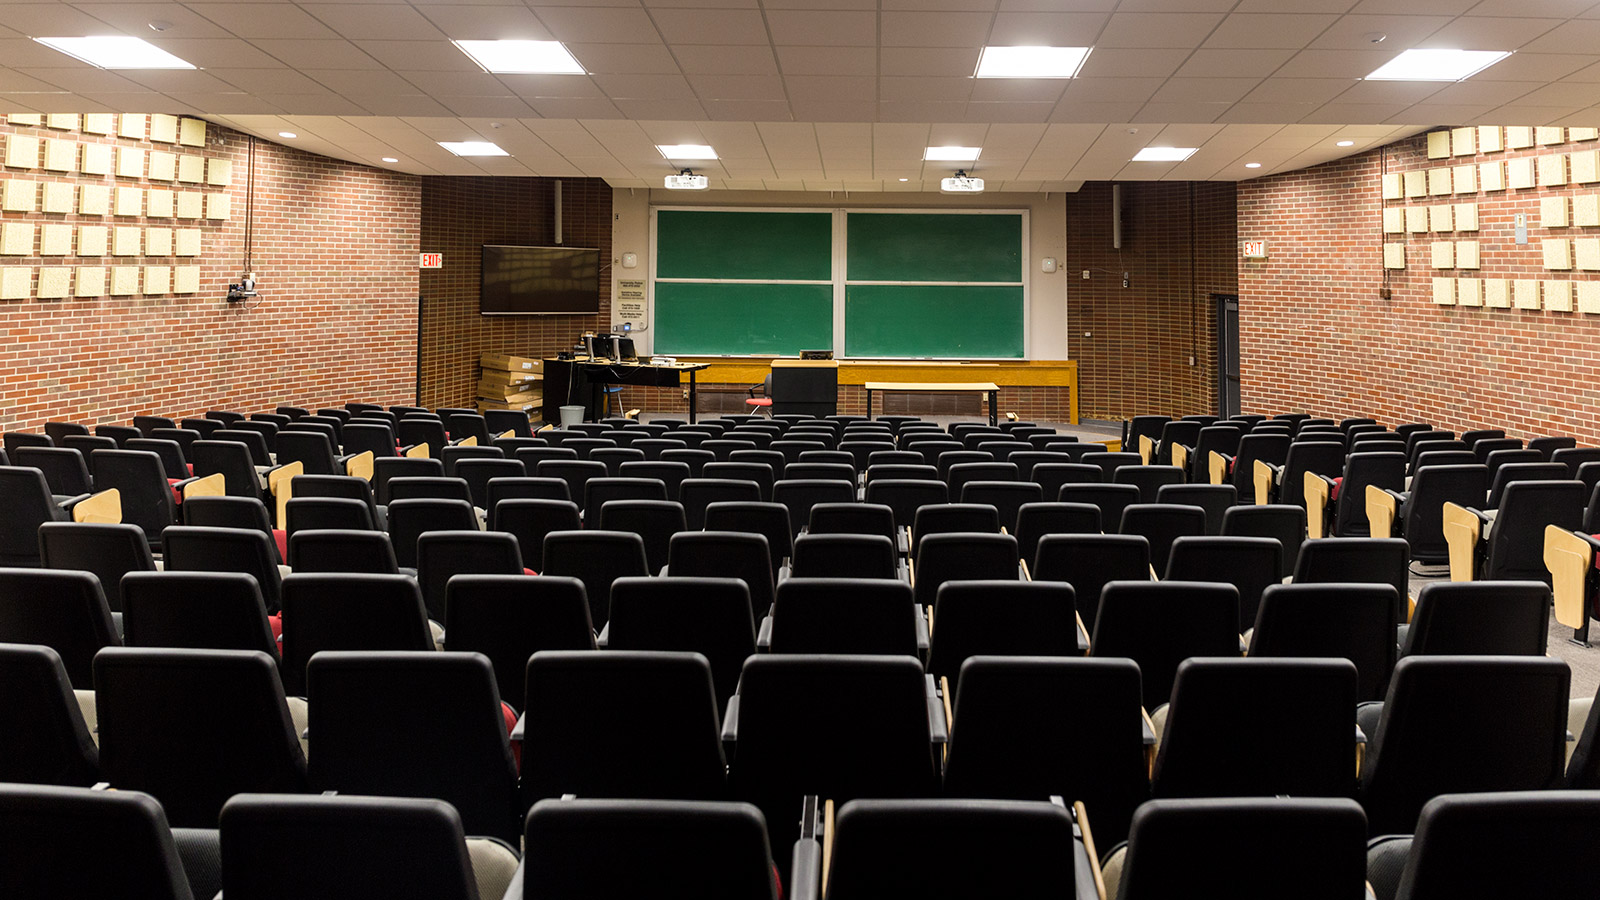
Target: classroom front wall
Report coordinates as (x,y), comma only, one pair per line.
(334,248)
(1317,336)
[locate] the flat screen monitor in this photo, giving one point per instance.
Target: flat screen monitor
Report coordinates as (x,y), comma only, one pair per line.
(539,280)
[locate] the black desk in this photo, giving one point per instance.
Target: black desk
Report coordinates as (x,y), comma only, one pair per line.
(580,382)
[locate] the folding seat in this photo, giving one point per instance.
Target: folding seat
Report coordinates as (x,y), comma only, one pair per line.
(589,712)
(870,732)
(1138,427)
(1327,516)
(1112,499)
(215,610)
(1507,544)
(797,438)
(690,439)
(267,430)
(847,615)
(697,494)
(771,458)
(1025,460)
(1286,524)
(376,438)
(770,520)
(1109,462)
(385,470)
(1348,621)
(934,447)
(951,458)
(191,548)
(1005,496)
(1088,562)
(1148,479)
(1161,524)
(1432,450)
(52,833)
(1195,459)
(905,496)
(465,425)
(1249,564)
(1227,715)
(348,487)
(862,450)
(325,513)
(1160,624)
(1546,446)
(195,727)
(63,610)
(1052,476)
(1417,515)
(656,521)
(47,740)
(960,430)
(1037,520)
(1184,432)
(1357,561)
(695,459)
(342,551)
(1510,474)
(109,551)
(444,554)
(524,488)
(1285,483)
(1429,738)
(706,615)
(477,473)
(1001,618)
(597,558)
(1007,847)
(83,443)
(600,490)
(908,471)
(721,447)
(852,518)
(1313,847)
(1502,618)
(206,426)
(454,454)
(1502,458)
(429,488)
(183,437)
(410,518)
(845,556)
(962,556)
(119,433)
(728,554)
(508,618)
(799,495)
(64,469)
(1215,499)
(58,430)
(1239,469)
(761,438)
(142,481)
(1482,448)
(420,432)
(944,518)
(1002,450)
(1574,457)
(760,473)
(349,611)
(531,457)
(510,445)
(613,458)
(173,463)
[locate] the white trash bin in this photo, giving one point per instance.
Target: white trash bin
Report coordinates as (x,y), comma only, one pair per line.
(570,416)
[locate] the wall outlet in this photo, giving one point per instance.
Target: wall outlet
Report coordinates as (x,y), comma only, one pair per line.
(1191,360)
(1085,274)
(1125,279)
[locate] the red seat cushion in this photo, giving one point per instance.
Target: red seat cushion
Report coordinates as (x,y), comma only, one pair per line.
(510,715)
(277,626)
(281,538)
(528,571)
(1337,483)
(177,495)
(759,401)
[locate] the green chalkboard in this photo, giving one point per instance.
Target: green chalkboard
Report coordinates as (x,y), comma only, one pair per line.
(763,246)
(933,247)
(963,321)
(780,319)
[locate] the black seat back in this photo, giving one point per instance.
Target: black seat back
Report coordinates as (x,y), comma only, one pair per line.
(65,611)
(1160,624)
(1089,562)
(216,610)
(710,616)
(47,741)
(1347,621)
(347,611)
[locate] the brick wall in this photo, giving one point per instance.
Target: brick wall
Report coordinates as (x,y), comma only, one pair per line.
(459,216)
(1316,336)
(1178,246)
(334,248)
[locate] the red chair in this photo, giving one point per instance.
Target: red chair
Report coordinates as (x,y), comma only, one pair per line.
(762,403)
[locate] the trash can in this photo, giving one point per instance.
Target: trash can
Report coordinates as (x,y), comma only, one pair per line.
(571,415)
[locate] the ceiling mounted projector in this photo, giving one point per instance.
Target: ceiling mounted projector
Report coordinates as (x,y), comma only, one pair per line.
(961,183)
(687,181)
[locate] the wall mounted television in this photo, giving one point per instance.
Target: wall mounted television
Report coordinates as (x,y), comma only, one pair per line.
(539,280)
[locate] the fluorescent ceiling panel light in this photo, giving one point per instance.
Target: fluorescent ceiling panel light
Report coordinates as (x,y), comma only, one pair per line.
(1031,62)
(687,151)
(390,159)
(473,148)
(1437,65)
(522,57)
(115,52)
(1164,154)
(287,134)
(1252,165)
(951,154)
(1345,144)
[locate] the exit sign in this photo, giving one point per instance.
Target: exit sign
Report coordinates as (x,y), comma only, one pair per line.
(1254,249)
(432,261)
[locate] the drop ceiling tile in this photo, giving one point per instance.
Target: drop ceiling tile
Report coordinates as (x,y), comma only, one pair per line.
(1474,33)
(898,89)
(420,56)
(1420,7)
(300,104)
(1350,32)
(329,54)
(821,4)
(1573,94)
(1233,63)
(49,19)
(1557,9)
(359,81)
(645,87)
(960,134)
(272,81)
(1334,63)
(1055,29)
(1268,30)
(567,86)
(711,26)
(185,80)
(1406,92)
(831,87)
(713,60)
(474,22)
(705,4)
(1572,37)
(134,18)
(610,25)
(1018,89)
(1339,113)
(1204,90)
(1493,93)
(21,53)
(1533,67)
(1102,90)
(904,111)
(1008,112)
(357,21)
(398,105)
(1444,112)
(12,81)
(1110,111)
(1295,6)
(834,110)
(87,79)
(916,61)
(241,104)
(941,5)
(832,28)
(934,29)
(828,60)
(1266,112)
(1299,90)
(224,53)
(732,87)
(624,59)
(1149,30)
(265,20)
(844,141)
(748,110)
(731,139)
(1191,110)
(682,108)
(498,107)
(787,141)
(1122,63)
(574,108)
(457,84)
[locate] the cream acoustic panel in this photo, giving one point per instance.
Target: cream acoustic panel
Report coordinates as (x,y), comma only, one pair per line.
(62,121)
(60,155)
(130,162)
(1586,254)
(1416,183)
(191,169)
(1463,141)
(189,204)
(32,120)
(1394,255)
(1558,296)
(1444,291)
(1557,254)
(22,151)
(158,242)
(15,281)
(1586,210)
(1489,139)
(1394,220)
(218,206)
(188,241)
(91,281)
(55,282)
(1552,212)
(1582,134)
(1443,255)
(59,197)
(1417,219)
(186,280)
(1588,294)
(131,126)
(130,201)
(192,132)
(100,123)
(94,199)
(1466,216)
(163,165)
(20,196)
(1439,182)
(16,239)
(1466,179)
(219,172)
(1394,186)
(124,281)
(1525,292)
(159,205)
(1466,254)
(157,280)
(1497,293)
(1441,217)
(92,240)
(1519,173)
(96,159)
(1519,137)
(1438,144)
(1491,176)
(55,240)
(1552,170)
(1585,166)
(1548,135)
(127,240)
(1469,292)
(164,128)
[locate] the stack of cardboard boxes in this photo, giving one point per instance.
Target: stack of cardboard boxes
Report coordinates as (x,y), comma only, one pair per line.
(510,382)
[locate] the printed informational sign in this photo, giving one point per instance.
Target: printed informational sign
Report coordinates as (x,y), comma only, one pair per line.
(630,304)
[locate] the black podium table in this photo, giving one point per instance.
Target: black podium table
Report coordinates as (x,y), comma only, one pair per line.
(580,382)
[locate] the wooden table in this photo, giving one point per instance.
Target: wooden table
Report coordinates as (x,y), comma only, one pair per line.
(939,387)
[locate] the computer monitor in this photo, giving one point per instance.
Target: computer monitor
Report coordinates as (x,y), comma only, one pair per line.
(816,354)
(626,353)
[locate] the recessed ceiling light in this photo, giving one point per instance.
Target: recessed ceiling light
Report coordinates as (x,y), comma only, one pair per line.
(1031,62)
(951,154)
(115,52)
(687,151)
(473,148)
(390,159)
(1437,65)
(522,57)
(1164,154)
(1345,144)
(287,134)
(1252,165)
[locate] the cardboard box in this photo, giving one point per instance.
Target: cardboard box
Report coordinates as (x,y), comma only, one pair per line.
(515,393)
(502,376)
(486,405)
(510,363)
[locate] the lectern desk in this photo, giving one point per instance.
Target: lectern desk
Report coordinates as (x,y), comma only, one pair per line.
(580,382)
(805,387)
